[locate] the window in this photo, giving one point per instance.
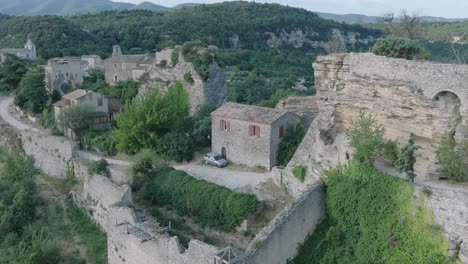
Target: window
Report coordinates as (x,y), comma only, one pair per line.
(116,78)
(225,125)
(99,102)
(67,74)
(67,102)
(281,131)
(254,131)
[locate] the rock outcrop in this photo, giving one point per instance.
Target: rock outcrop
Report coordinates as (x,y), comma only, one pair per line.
(165,72)
(425,99)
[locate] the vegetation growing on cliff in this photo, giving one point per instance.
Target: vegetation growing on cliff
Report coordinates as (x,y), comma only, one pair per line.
(36,228)
(373,218)
(400,48)
(291,141)
(453,159)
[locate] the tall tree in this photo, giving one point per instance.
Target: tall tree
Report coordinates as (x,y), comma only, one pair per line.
(11,72)
(32,95)
(77,118)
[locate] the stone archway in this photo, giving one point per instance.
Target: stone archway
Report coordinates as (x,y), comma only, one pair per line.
(448,105)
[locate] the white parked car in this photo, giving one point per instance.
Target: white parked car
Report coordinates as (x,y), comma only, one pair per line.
(215,160)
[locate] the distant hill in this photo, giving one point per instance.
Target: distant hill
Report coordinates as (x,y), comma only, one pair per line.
(363,19)
(151,6)
(70,7)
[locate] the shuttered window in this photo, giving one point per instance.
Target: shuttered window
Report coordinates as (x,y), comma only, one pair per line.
(225,125)
(281,131)
(254,131)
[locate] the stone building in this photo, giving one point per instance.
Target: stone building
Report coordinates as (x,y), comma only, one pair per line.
(249,135)
(64,74)
(126,67)
(165,72)
(105,107)
(28,52)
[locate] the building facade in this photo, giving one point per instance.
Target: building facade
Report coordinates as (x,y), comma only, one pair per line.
(64,74)
(27,53)
(250,135)
(126,67)
(105,107)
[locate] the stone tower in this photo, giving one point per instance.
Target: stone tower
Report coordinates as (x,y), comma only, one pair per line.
(116,51)
(30,49)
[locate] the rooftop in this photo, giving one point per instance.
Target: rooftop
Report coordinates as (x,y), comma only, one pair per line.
(251,113)
(75,95)
(140,59)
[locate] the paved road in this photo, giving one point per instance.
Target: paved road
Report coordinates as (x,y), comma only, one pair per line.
(11,120)
(232,179)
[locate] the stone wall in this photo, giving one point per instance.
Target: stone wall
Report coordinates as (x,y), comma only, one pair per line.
(51,154)
(212,91)
(426,99)
(279,241)
(450,206)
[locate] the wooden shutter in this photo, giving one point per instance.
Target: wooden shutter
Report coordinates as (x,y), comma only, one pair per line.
(281,131)
(221,124)
(228,125)
(257,131)
(250,130)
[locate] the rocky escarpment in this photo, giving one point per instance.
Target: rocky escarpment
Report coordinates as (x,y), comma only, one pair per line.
(425,99)
(165,72)
(336,41)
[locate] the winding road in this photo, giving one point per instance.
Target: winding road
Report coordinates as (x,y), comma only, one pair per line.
(230,178)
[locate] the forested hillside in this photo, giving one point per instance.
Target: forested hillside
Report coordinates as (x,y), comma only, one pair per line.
(266,48)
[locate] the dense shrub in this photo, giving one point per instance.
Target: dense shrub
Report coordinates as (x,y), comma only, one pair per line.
(100,167)
(32,95)
(366,137)
(373,218)
(453,159)
(300,172)
(211,204)
(188,78)
(100,141)
(175,57)
(200,56)
(400,48)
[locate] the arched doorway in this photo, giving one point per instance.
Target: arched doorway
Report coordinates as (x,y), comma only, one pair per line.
(64,88)
(223,153)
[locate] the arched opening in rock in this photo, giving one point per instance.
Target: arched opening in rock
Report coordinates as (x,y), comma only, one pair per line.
(448,104)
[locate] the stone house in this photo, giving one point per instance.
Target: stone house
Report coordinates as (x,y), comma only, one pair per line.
(63,74)
(27,53)
(126,67)
(105,107)
(250,135)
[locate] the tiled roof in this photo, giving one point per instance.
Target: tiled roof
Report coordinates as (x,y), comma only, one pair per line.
(75,95)
(139,59)
(250,113)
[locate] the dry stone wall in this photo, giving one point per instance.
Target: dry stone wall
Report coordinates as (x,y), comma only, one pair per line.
(279,241)
(51,154)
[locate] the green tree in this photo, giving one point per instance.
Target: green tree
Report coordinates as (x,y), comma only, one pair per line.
(77,118)
(366,137)
(453,159)
(400,48)
(406,159)
(155,121)
(11,72)
(32,95)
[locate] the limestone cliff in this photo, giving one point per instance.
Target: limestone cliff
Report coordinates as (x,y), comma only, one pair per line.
(165,72)
(426,99)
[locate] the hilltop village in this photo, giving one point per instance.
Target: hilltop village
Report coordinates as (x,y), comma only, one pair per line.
(151,157)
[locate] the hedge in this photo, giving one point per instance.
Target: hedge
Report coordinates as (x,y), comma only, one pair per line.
(211,204)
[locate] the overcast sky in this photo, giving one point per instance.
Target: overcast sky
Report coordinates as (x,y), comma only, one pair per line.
(443,8)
